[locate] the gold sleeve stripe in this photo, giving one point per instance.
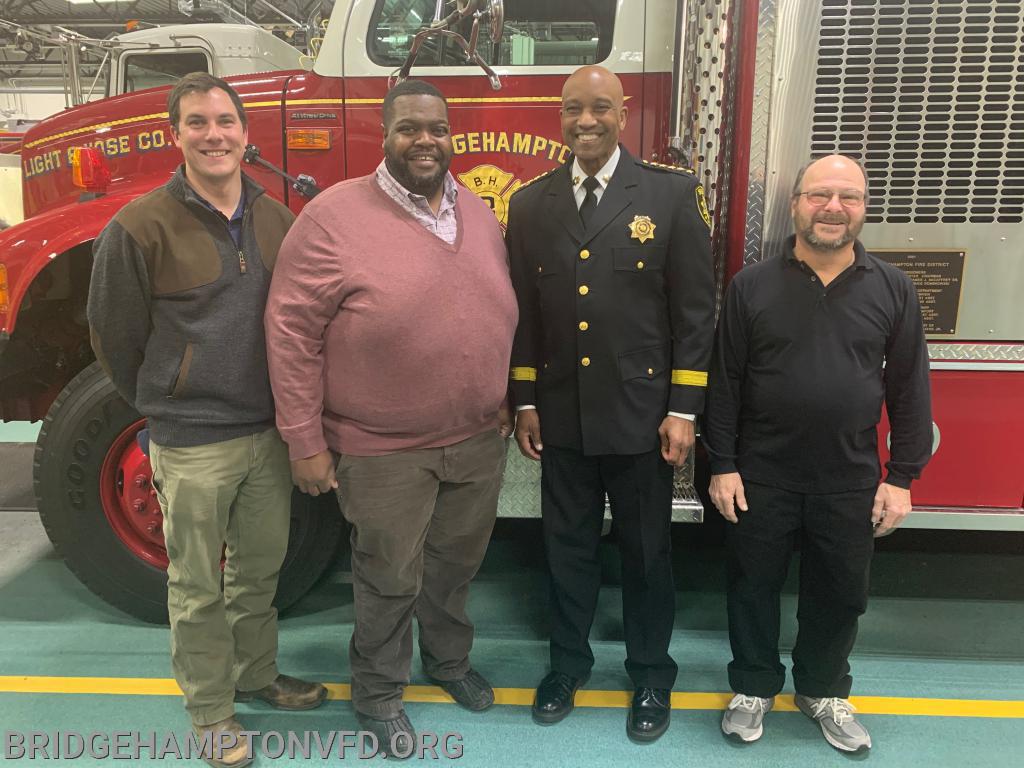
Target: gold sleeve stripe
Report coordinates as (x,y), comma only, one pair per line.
(690,378)
(523,374)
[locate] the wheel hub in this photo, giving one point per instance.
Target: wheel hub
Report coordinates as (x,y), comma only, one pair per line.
(129,499)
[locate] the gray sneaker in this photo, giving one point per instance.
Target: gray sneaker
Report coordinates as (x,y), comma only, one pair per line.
(840,727)
(743,716)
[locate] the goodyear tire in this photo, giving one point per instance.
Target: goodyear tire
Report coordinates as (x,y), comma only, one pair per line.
(94,498)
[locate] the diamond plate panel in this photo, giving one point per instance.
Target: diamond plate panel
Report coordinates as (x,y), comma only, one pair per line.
(753,250)
(520,491)
(1008,353)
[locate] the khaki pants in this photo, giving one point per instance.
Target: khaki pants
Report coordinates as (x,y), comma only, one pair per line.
(235,493)
(421,521)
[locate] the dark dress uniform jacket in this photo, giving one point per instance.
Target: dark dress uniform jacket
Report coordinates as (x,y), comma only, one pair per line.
(615,322)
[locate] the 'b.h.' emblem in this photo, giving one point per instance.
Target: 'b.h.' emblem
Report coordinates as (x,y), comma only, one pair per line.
(494,186)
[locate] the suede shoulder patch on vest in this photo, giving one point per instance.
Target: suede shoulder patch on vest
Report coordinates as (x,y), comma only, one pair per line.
(179,251)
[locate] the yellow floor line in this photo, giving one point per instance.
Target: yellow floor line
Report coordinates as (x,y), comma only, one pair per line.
(868,705)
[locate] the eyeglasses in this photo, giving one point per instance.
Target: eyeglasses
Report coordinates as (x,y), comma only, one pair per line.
(848,198)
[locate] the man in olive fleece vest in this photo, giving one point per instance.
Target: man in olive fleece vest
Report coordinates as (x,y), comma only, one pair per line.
(179,283)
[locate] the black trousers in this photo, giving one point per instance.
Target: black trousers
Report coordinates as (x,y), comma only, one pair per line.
(836,545)
(639,487)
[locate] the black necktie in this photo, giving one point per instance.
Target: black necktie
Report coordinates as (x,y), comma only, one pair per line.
(590,201)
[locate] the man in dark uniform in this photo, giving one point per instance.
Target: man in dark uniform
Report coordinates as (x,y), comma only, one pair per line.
(612,268)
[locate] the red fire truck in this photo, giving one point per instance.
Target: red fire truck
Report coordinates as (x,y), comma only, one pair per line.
(930,94)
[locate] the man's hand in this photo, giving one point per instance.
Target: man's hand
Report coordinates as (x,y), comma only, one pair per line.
(892,504)
(725,490)
(315,475)
(506,420)
(676,439)
(528,433)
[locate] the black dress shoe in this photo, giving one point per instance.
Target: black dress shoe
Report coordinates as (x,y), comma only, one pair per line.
(555,697)
(395,736)
(649,714)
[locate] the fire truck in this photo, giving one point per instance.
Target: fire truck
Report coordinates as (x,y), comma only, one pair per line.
(929,94)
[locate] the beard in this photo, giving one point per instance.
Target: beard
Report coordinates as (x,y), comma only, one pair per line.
(805,231)
(418,184)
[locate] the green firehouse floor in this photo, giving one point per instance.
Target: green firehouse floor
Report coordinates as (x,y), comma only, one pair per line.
(939,664)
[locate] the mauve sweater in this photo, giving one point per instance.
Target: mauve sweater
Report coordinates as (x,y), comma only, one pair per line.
(381,337)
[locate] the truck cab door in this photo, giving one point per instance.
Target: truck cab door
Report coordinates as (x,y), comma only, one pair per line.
(502,138)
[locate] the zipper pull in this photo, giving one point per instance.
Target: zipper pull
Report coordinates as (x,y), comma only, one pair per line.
(241,262)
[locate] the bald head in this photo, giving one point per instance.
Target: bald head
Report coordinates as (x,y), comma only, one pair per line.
(594,78)
(842,163)
(593,115)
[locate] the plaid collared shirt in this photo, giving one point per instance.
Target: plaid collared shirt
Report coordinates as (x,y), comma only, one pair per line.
(444,224)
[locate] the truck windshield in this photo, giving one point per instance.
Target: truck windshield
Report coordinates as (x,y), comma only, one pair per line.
(536,32)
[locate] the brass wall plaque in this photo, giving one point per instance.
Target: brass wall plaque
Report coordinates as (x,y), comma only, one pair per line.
(938,277)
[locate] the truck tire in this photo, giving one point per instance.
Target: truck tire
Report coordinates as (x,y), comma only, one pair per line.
(93,492)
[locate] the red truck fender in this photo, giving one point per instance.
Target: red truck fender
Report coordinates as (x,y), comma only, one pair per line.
(27,248)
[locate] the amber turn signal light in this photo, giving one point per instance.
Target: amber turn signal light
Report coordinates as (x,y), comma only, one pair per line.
(89,169)
(5,294)
(308,138)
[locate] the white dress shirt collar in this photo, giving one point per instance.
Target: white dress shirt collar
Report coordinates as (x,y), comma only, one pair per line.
(603,176)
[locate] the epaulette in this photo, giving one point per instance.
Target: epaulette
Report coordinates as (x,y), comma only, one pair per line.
(548,172)
(665,167)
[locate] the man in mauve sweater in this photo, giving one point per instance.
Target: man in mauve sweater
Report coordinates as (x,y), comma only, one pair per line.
(389,332)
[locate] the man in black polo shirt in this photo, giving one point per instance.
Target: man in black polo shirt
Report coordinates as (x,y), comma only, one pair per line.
(809,345)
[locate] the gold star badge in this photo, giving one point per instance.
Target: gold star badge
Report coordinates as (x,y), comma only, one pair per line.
(642,228)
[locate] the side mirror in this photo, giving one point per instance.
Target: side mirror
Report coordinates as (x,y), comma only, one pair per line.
(496,16)
(494,10)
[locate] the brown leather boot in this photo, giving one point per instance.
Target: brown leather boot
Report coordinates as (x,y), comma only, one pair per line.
(222,752)
(287,693)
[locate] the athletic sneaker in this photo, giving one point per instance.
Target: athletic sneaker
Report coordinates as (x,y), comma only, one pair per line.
(840,727)
(742,718)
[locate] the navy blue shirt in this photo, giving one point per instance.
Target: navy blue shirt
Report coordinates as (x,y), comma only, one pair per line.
(235,222)
(800,372)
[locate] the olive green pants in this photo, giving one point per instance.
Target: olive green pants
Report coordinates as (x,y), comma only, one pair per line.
(231,498)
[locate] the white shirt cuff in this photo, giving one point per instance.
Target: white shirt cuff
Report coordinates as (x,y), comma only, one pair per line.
(687,416)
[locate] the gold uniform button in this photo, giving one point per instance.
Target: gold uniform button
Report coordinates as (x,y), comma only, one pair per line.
(650,371)
(584,254)
(584,325)
(639,265)
(540,269)
(584,290)
(585,362)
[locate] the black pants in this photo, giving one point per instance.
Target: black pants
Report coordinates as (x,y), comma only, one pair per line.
(836,544)
(639,487)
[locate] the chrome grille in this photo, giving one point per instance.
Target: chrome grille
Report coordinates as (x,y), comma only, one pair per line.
(930,94)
